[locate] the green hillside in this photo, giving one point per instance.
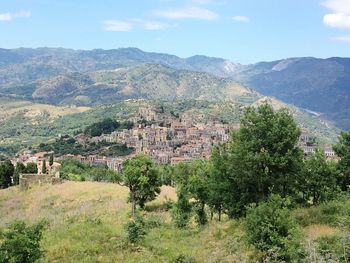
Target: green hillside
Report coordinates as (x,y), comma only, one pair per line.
(82,77)
(141,82)
(86,225)
(27,124)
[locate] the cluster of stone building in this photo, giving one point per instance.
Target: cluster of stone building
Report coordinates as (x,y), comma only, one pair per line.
(51,174)
(166,138)
(39,159)
(308,144)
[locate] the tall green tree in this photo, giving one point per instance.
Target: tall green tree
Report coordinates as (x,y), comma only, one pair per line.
(342,149)
(20,168)
(218,181)
(199,187)
(143,180)
(264,158)
(181,212)
(6,173)
(319,178)
(51,160)
(43,168)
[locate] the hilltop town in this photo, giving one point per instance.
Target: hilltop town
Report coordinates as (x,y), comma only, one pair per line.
(168,138)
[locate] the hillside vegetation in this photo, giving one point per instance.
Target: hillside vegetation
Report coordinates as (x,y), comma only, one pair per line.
(141,82)
(86,225)
(319,85)
(29,124)
(99,76)
(254,200)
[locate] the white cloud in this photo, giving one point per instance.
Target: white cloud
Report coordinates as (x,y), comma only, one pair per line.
(338,6)
(151,25)
(117,26)
(187,13)
(340,20)
(10,16)
(243,19)
(128,25)
(5,17)
(340,13)
(345,39)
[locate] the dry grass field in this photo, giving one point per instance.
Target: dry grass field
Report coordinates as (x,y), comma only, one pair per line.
(86,224)
(9,107)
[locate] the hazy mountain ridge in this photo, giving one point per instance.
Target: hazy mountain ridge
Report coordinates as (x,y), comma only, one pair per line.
(144,81)
(319,85)
(26,65)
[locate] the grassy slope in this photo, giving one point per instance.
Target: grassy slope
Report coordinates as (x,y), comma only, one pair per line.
(86,225)
(12,106)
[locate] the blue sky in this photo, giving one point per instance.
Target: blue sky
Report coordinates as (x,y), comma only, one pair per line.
(244,31)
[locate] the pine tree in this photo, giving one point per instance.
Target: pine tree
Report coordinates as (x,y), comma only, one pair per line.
(51,160)
(43,169)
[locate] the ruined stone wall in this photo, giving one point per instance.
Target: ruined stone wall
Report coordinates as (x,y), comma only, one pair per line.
(27,180)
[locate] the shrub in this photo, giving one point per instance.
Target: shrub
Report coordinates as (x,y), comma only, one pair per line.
(153,222)
(181,211)
(201,215)
(135,229)
(21,243)
(271,228)
(328,213)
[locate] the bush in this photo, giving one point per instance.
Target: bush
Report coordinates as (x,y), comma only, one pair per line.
(201,215)
(21,243)
(181,211)
(271,228)
(135,229)
(328,213)
(153,222)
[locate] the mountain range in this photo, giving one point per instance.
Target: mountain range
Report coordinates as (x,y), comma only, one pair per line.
(66,76)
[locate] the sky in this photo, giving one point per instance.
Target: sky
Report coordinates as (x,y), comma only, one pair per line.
(244,31)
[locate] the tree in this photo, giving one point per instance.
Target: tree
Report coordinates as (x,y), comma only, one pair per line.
(142,178)
(31,168)
(264,158)
(43,169)
(20,168)
(6,174)
(342,149)
(181,211)
(319,181)
(51,160)
(218,181)
(272,229)
(21,243)
(199,188)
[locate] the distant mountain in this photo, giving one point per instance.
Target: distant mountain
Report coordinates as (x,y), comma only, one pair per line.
(57,75)
(141,82)
(318,85)
(23,65)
